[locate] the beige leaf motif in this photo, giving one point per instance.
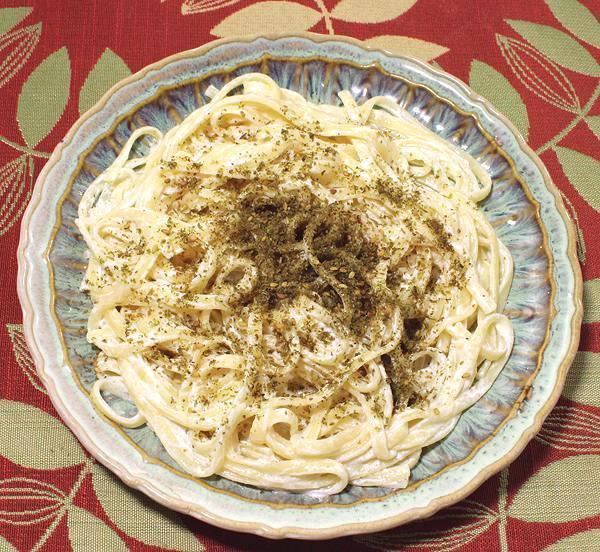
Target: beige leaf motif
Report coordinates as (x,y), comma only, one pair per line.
(593,121)
(572,429)
(109,70)
(578,19)
(44,96)
(479,517)
(25,501)
(268,17)
(585,541)
(11,17)
(200,6)
(87,532)
(16,48)
(16,182)
(373,11)
(591,303)
(30,437)
(582,171)
(557,46)
(138,516)
(6,546)
(539,74)
(583,384)
(407,46)
(567,477)
(23,356)
(494,86)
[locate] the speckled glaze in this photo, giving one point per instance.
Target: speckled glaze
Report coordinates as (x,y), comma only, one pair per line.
(524,207)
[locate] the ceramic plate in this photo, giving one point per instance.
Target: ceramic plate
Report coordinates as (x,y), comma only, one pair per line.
(524,207)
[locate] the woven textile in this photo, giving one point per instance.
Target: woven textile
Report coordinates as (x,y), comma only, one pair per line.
(537,61)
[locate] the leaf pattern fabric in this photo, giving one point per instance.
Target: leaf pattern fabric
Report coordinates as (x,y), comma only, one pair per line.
(153,524)
(359,11)
(558,46)
(582,171)
(408,46)
(109,70)
(44,97)
(15,49)
(87,532)
(538,62)
(495,87)
(9,17)
(578,19)
(268,17)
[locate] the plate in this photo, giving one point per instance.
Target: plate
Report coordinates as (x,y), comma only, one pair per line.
(524,207)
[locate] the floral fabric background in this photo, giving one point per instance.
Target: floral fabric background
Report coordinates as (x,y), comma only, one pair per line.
(537,61)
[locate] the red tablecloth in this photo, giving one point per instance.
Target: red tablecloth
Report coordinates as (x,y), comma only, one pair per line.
(536,61)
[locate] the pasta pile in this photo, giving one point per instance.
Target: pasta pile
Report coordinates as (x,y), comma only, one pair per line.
(294,296)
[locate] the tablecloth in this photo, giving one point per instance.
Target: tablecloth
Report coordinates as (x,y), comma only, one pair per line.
(537,61)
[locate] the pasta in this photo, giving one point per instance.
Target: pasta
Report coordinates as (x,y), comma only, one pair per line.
(294,296)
